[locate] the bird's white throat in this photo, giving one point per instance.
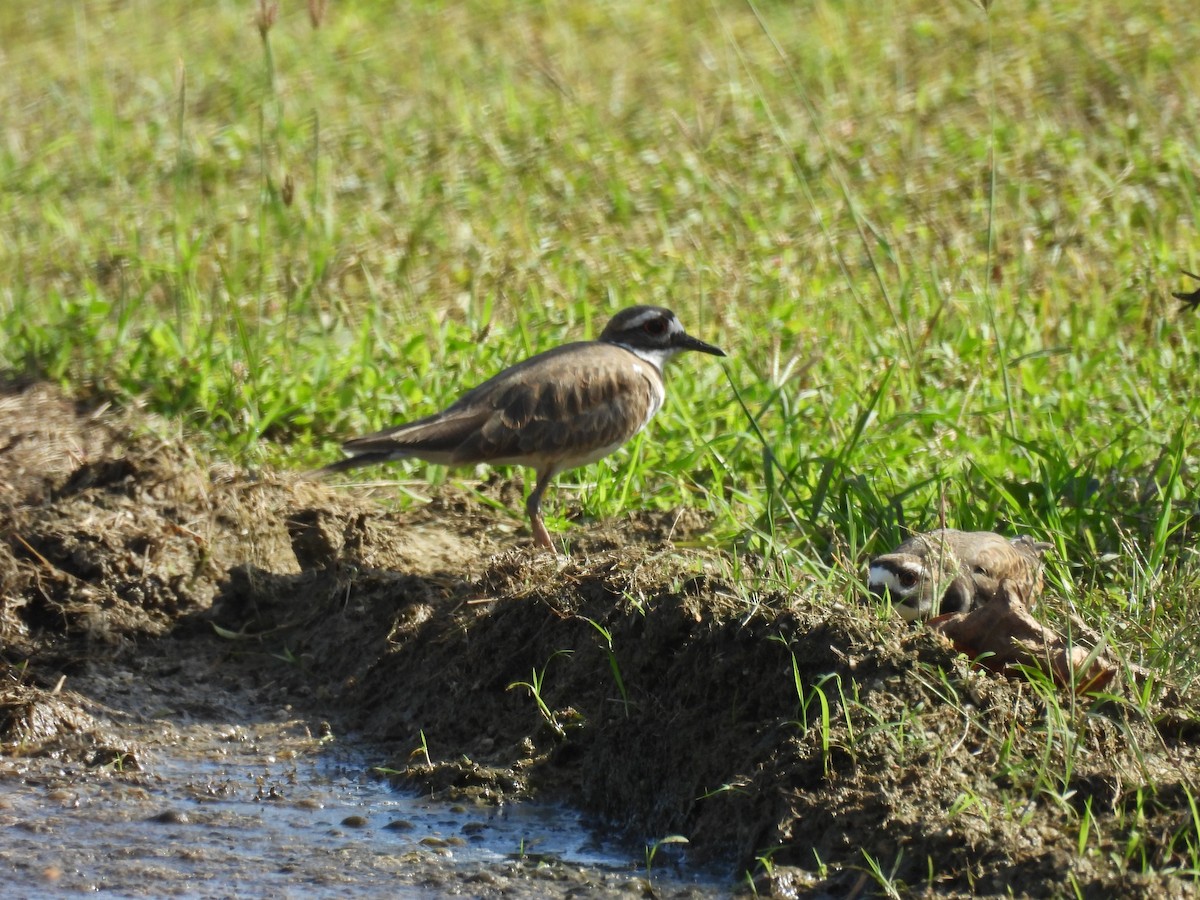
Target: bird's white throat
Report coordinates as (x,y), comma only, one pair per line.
(656,356)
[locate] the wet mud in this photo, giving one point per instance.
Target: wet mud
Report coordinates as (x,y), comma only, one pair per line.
(152,601)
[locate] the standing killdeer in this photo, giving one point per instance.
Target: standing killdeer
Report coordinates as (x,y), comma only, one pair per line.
(555,411)
(948,571)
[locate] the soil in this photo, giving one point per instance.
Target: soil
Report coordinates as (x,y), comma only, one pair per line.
(630,678)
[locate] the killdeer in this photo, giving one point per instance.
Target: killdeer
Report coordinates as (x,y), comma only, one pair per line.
(555,411)
(948,571)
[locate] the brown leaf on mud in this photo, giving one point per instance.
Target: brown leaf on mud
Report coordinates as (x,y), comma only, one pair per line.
(1001,635)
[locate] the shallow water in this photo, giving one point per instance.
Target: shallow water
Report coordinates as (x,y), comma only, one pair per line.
(275,813)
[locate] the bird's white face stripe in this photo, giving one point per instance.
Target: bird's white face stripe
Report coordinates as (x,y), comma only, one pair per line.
(906,605)
(642,318)
(880,577)
(889,578)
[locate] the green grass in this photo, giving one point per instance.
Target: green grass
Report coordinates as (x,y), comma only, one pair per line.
(937,243)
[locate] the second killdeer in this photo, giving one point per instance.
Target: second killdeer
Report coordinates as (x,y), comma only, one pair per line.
(948,571)
(555,411)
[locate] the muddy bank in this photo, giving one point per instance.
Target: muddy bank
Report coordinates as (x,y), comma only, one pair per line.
(635,679)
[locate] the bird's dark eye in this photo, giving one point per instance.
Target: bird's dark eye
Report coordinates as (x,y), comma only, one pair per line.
(655,327)
(907,579)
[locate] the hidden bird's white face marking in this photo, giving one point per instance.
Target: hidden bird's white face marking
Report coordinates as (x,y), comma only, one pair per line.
(902,585)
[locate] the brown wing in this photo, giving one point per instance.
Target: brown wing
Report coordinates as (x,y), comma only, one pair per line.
(566,412)
(993,559)
(435,438)
(559,408)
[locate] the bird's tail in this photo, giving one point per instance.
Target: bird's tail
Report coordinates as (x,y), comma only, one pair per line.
(351,462)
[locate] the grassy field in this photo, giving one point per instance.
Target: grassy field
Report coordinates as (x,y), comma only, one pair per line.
(936,241)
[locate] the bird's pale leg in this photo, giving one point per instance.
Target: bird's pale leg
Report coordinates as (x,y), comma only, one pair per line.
(533,506)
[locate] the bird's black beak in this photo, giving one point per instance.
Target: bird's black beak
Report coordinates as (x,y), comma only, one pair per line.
(687,342)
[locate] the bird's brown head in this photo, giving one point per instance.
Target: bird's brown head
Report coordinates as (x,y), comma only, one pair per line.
(917,578)
(902,579)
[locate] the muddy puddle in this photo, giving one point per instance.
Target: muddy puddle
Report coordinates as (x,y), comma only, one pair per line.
(272,811)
